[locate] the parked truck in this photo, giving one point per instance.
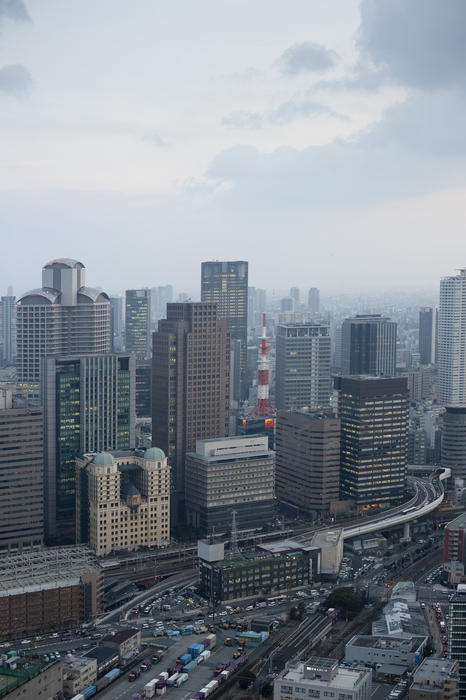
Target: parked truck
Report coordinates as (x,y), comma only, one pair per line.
(172,680)
(134,674)
(212,639)
(182,678)
(150,688)
(146,665)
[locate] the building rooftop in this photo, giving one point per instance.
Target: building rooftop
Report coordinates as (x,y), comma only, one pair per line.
(121,636)
(76,663)
(393,643)
(101,653)
(458,523)
(48,568)
(328,538)
(344,678)
(404,589)
(435,671)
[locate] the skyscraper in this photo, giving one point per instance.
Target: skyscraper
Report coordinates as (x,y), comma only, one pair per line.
(89,406)
(62,317)
(454,441)
(190,382)
(451,361)
(117,323)
(368,345)
(307,447)
(374,438)
(21,475)
(457,633)
(294,294)
(226,284)
(313,300)
(302,373)
(8,328)
(428,321)
(160,297)
(137,322)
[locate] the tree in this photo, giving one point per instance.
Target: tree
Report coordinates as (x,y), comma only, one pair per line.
(267,690)
(345,599)
(294,613)
(301,609)
(247,677)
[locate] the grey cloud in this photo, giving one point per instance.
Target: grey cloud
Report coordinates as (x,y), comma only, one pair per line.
(14,10)
(420,43)
(14,79)
(305,57)
(285,113)
(418,146)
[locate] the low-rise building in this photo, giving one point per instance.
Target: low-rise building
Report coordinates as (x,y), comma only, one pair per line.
(21,679)
(387,651)
(242,576)
(78,673)
(322,678)
(435,679)
(126,642)
(106,657)
(225,474)
(47,589)
(123,500)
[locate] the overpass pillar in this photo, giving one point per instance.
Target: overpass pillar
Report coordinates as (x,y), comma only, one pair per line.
(406,533)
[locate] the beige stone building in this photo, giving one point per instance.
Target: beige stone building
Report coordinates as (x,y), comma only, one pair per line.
(78,673)
(123,500)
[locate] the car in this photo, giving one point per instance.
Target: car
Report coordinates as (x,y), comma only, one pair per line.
(26,641)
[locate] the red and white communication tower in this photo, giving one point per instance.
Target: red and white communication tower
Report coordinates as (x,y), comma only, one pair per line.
(263,407)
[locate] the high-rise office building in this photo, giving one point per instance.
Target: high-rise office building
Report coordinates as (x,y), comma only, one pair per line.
(137,322)
(131,485)
(454,549)
(226,284)
(143,388)
(451,360)
(374,438)
(313,300)
(294,294)
(428,323)
(21,475)
(62,317)
(190,382)
(117,323)
(234,473)
(302,373)
(256,306)
(368,345)
(287,304)
(89,406)
(454,441)
(307,446)
(457,633)
(160,297)
(8,329)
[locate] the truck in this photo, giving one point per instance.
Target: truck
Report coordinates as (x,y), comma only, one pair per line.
(228,642)
(164,676)
(134,675)
(172,680)
(220,667)
(182,678)
(146,665)
(185,659)
(203,656)
(191,665)
(212,639)
(187,629)
(150,688)
(113,674)
(200,629)
(162,690)
(86,693)
(195,650)
(158,655)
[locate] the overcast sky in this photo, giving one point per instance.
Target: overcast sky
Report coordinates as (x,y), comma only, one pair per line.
(322,140)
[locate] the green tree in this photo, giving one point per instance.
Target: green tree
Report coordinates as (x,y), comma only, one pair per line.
(345,599)
(247,677)
(267,690)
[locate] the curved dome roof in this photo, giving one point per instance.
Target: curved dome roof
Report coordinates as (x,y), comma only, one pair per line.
(129,489)
(66,262)
(104,459)
(46,293)
(92,294)
(154,453)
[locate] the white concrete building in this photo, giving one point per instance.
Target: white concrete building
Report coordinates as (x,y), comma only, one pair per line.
(322,678)
(451,360)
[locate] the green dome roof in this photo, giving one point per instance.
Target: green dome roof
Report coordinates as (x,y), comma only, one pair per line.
(104,459)
(154,453)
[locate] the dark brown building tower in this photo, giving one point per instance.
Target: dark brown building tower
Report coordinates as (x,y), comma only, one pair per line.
(307,446)
(190,382)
